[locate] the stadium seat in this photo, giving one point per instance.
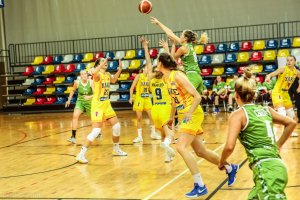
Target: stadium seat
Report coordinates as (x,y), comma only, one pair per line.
(50,100)
(208,82)
(29,101)
(221,48)
(206,71)
(74,99)
(256,56)
(112,66)
(124,97)
(79,67)
(98,55)
(59,69)
(57,59)
(234,47)
(68,59)
(217,58)
(38,60)
(120,55)
(28,81)
(113,87)
(283,53)
(28,71)
(296,42)
(259,79)
(60,89)
(243,57)
(230,57)
(39,70)
(285,43)
(87,57)
(295,52)
(59,79)
(140,54)
(40,100)
(161,50)
(130,54)
(258,45)
(38,80)
(246,46)
(29,91)
(218,71)
(153,53)
(155,62)
(39,90)
(209,48)
(78,58)
(272,44)
(49,80)
(133,75)
(61,100)
(125,64)
(198,49)
(110,55)
(49,90)
(204,59)
(123,76)
(70,68)
(49,69)
(70,78)
(124,86)
(269,55)
(256,68)
(47,60)
(241,69)
(134,64)
(114,97)
(270,68)
(228,80)
(89,66)
(230,70)
(68,90)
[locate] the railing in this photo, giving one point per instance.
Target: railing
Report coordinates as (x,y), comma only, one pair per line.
(289,29)
(5,61)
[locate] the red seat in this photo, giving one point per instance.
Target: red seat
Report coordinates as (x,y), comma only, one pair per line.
(246,46)
(28,70)
(241,69)
(70,68)
(50,100)
(209,48)
(40,100)
(153,53)
(133,75)
(98,55)
(256,56)
(260,79)
(49,80)
(59,69)
(206,71)
(47,60)
(39,91)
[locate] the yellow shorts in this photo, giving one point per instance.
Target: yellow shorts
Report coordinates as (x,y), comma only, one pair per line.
(193,127)
(141,104)
(281,99)
(160,115)
(101,110)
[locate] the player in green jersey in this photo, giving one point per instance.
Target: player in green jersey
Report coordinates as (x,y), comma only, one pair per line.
(230,89)
(219,91)
(253,126)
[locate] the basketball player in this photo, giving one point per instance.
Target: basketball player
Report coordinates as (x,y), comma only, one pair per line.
(190,114)
(253,126)
(101,109)
(83,103)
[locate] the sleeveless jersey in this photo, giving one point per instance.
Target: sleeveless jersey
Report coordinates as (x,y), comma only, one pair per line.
(190,62)
(220,85)
(181,97)
(257,136)
(142,86)
(159,91)
(101,87)
(84,90)
(285,80)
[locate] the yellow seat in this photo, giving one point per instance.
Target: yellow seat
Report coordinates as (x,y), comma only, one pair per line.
(38,60)
(69,89)
(49,90)
(259,45)
(124,76)
(130,54)
(228,80)
(87,57)
(269,55)
(49,69)
(29,101)
(218,71)
(59,79)
(243,57)
(134,64)
(89,66)
(199,49)
(296,42)
(256,68)
(283,53)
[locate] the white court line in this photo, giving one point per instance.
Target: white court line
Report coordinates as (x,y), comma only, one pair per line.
(175,178)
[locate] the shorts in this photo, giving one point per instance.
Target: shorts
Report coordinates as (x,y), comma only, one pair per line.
(84,106)
(270,178)
(101,110)
(160,115)
(193,127)
(196,80)
(142,104)
(281,99)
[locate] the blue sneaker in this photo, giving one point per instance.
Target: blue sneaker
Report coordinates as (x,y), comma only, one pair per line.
(216,110)
(197,191)
(232,174)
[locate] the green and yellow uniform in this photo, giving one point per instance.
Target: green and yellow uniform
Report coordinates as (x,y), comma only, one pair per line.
(84,90)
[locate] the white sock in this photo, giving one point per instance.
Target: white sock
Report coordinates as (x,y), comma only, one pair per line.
(167,141)
(198,179)
(83,150)
(228,168)
(152,127)
(139,132)
(116,145)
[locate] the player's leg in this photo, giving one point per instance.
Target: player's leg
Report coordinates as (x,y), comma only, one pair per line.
(289,109)
(154,135)
(76,115)
(116,132)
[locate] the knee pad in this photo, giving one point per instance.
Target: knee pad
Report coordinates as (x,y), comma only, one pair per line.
(116,129)
(282,111)
(290,113)
(95,132)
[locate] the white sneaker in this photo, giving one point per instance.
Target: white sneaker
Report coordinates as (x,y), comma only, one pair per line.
(119,152)
(72,140)
(138,140)
(81,159)
(168,149)
(168,158)
(155,136)
(294,134)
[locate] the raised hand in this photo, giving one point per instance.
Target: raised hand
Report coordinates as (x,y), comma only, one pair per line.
(154,20)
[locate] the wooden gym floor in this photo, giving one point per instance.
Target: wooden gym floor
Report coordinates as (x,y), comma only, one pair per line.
(37,162)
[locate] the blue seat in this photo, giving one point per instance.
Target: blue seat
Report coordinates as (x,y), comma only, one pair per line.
(60,89)
(229,58)
(140,54)
(124,86)
(70,79)
(205,59)
(110,55)
(124,97)
(230,70)
(221,48)
(61,100)
(112,66)
(57,59)
(270,68)
(78,58)
(74,99)
(38,70)
(143,62)
(38,80)
(234,47)
(285,43)
(272,44)
(79,67)
(208,83)
(29,91)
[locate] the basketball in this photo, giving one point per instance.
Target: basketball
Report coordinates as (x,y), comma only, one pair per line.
(145,7)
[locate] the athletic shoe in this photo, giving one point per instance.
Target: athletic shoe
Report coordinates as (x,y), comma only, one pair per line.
(81,159)
(170,152)
(216,110)
(230,109)
(232,174)
(119,152)
(138,139)
(294,134)
(72,140)
(155,136)
(168,158)
(197,191)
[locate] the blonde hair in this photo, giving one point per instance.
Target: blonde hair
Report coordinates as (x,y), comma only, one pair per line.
(245,86)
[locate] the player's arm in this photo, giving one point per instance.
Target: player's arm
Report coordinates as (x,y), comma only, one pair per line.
(114,78)
(89,97)
(136,79)
(75,86)
(145,44)
(275,73)
(95,73)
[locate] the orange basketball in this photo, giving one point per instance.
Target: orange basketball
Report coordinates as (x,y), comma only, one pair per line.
(145,6)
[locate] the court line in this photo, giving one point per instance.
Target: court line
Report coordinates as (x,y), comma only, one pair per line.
(176,177)
(17,142)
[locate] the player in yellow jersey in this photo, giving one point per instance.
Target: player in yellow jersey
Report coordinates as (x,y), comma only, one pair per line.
(101,109)
(280,95)
(190,114)
(162,104)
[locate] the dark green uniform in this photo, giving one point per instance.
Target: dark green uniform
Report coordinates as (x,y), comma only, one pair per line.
(84,90)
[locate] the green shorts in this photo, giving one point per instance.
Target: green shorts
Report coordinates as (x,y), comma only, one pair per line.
(84,106)
(196,79)
(270,178)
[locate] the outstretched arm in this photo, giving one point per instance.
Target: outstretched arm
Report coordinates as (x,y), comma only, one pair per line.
(145,44)
(75,86)
(114,78)
(275,73)
(136,79)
